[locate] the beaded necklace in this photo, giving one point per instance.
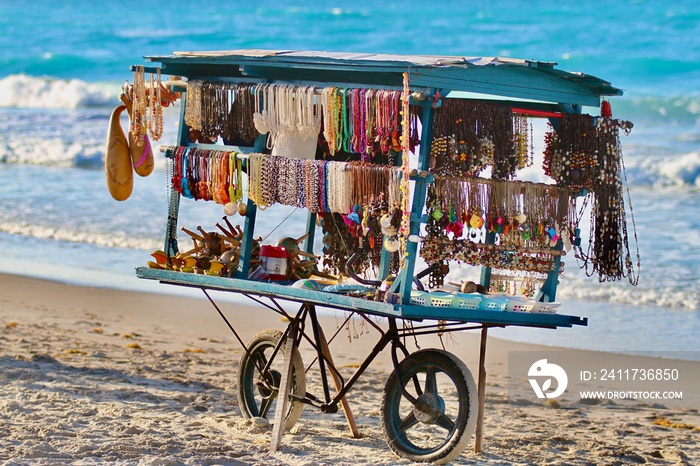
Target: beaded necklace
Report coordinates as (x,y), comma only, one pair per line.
(255,180)
(483,136)
(370,120)
(139,109)
(523,141)
(155,122)
(405,228)
(193,104)
(571,152)
(608,252)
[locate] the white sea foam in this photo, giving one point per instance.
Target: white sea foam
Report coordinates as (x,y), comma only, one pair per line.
(590,290)
(88,236)
(55,151)
(575,286)
(677,170)
(23,91)
(684,170)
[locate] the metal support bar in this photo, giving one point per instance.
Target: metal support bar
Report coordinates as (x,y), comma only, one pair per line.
(381,344)
(481,392)
(396,344)
(245,348)
(338,381)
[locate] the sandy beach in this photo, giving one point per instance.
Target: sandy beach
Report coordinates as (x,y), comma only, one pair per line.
(103,376)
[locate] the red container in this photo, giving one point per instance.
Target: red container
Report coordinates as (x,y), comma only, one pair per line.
(275,261)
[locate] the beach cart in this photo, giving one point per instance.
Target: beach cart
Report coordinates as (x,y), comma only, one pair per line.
(387,153)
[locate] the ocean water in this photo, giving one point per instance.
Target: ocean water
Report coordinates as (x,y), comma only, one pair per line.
(62,65)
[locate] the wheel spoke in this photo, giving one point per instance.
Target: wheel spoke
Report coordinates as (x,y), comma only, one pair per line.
(437,424)
(431,381)
(260,361)
(445,422)
(408,422)
(266,404)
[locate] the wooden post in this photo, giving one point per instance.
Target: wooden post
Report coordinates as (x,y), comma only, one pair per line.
(481,390)
(283,394)
(338,386)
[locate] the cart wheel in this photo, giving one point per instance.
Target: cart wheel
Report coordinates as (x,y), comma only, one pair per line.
(443,419)
(257,394)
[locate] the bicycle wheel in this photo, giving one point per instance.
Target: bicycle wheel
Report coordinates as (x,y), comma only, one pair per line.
(440,423)
(257,392)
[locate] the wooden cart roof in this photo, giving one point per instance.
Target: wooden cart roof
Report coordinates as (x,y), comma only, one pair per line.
(497,76)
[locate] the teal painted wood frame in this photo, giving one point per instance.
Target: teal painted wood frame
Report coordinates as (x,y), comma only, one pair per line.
(348,303)
(509,78)
(170,243)
(249,226)
(420,187)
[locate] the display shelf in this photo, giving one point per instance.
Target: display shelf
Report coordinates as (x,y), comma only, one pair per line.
(348,303)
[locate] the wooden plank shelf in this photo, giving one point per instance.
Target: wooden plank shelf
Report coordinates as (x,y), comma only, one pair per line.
(349,303)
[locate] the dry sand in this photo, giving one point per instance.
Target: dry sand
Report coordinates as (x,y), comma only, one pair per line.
(99,376)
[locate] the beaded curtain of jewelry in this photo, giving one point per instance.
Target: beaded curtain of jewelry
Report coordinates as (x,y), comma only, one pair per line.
(139,113)
(484,135)
(609,252)
(585,153)
(221,109)
(523,141)
(405,228)
(525,219)
(516,282)
(571,155)
(342,237)
(523,213)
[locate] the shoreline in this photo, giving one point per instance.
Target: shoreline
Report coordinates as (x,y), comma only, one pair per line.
(134,377)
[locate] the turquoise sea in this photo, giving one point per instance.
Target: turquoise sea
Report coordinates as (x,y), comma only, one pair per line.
(62,65)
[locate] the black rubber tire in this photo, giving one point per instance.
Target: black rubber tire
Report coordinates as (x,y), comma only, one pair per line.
(257,401)
(439,427)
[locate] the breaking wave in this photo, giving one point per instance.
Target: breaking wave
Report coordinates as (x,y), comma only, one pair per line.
(111,239)
(54,152)
(24,91)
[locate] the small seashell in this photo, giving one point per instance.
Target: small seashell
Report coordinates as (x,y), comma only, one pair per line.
(468,287)
(522,218)
(242,209)
(385,221)
(389,231)
(391,244)
(230,208)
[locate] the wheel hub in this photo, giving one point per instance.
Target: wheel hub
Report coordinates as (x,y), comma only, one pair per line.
(266,385)
(428,407)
